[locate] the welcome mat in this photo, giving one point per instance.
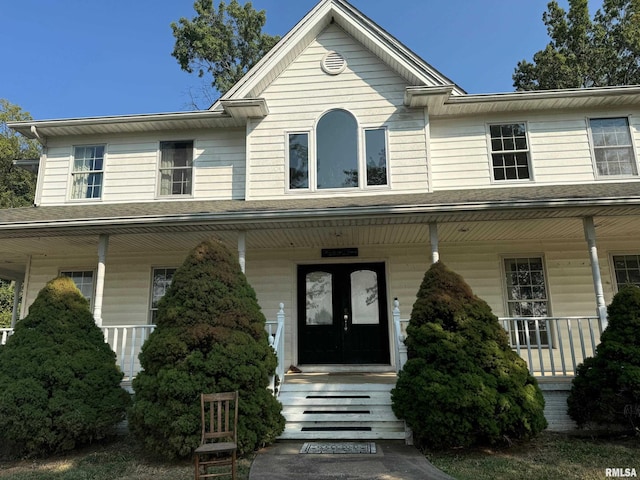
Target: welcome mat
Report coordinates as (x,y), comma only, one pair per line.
(353,448)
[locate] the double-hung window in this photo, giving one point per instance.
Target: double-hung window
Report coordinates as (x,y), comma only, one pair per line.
(176,168)
(510,152)
(627,269)
(160,281)
(613,147)
(88,171)
(343,155)
(83,280)
(526,296)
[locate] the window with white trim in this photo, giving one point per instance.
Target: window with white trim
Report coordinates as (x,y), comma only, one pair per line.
(526,296)
(83,280)
(338,154)
(613,147)
(88,171)
(510,152)
(627,269)
(176,168)
(161,279)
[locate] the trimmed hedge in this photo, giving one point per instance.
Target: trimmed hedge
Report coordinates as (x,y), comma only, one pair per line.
(59,383)
(462,384)
(606,388)
(210,337)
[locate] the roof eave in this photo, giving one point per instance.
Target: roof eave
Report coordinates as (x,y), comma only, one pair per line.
(267,216)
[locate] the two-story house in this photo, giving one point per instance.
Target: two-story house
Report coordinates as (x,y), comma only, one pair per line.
(341,167)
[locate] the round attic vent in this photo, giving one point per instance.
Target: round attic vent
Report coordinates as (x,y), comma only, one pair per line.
(333,63)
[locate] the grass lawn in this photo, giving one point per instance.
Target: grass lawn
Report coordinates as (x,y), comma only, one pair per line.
(550,455)
(119,459)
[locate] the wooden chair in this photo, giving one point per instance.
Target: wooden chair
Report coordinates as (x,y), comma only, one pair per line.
(219,440)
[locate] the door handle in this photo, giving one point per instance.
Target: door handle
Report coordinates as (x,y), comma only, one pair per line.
(346,324)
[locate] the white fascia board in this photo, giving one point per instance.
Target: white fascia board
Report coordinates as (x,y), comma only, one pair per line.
(25,127)
(572,93)
(393,47)
(276,54)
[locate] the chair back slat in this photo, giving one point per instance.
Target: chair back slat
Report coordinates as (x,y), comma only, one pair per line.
(219,416)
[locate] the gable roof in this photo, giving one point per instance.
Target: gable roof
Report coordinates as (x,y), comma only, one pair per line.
(407,64)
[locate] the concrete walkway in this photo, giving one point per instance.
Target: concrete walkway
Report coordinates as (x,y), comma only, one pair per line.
(393,460)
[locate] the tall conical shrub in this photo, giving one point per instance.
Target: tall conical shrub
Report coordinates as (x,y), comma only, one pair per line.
(210,337)
(462,384)
(606,388)
(59,384)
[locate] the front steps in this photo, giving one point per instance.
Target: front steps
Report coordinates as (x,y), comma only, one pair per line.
(339,407)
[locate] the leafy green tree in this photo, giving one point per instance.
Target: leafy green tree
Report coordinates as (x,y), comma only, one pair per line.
(210,337)
(6,303)
(584,52)
(17,186)
(59,383)
(462,384)
(606,388)
(225,42)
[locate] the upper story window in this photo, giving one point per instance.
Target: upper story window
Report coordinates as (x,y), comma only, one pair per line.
(337,150)
(612,146)
(88,171)
(176,168)
(510,152)
(627,269)
(338,161)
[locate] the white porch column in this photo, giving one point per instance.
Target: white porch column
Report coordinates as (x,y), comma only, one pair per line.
(17,286)
(433,234)
(242,250)
(103,245)
(590,237)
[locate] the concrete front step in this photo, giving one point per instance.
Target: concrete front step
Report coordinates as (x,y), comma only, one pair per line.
(339,411)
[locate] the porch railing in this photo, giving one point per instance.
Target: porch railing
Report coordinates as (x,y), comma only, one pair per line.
(552,347)
(4,335)
(127,340)
(276,340)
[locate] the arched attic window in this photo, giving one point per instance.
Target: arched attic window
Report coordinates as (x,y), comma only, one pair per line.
(337,150)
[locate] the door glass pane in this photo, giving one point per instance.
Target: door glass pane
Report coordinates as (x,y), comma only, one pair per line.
(319,299)
(364,298)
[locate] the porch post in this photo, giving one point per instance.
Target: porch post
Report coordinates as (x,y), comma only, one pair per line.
(242,250)
(17,286)
(590,236)
(433,233)
(103,245)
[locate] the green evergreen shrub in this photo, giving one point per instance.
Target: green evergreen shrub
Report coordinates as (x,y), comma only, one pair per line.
(606,388)
(210,337)
(462,384)
(59,383)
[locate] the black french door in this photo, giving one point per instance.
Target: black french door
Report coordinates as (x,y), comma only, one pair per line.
(342,314)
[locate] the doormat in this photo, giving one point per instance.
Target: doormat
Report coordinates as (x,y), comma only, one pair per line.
(353,448)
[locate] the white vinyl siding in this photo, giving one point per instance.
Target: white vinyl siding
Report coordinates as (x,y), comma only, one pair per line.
(131,173)
(367,88)
(559,148)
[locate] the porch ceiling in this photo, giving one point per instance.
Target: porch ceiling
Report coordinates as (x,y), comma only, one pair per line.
(15,251)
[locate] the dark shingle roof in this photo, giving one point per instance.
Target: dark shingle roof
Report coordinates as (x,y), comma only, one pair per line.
(488,199)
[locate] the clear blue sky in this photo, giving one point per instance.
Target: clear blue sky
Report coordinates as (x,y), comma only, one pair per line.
(80,58)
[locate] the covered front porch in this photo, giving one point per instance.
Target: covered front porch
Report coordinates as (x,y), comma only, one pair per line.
(563,259)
